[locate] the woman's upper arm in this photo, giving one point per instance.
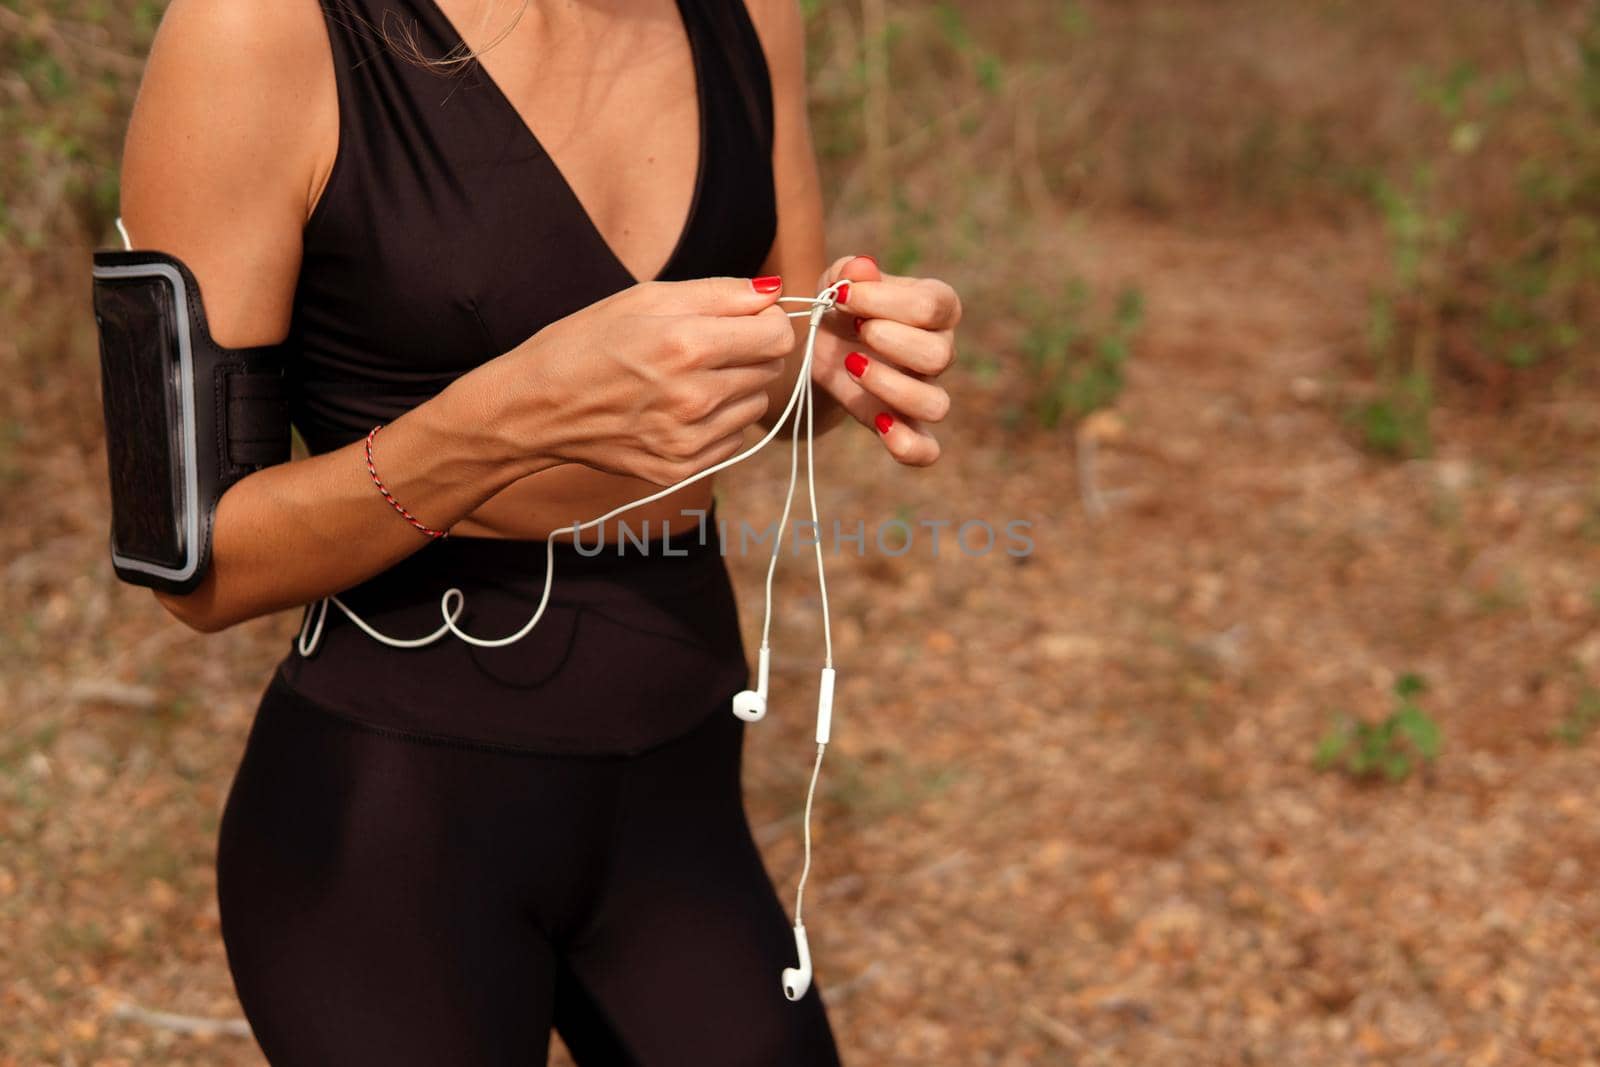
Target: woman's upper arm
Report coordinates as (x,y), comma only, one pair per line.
(226,149)
(798,253)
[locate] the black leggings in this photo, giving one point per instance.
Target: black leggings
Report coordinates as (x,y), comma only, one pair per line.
(395,901)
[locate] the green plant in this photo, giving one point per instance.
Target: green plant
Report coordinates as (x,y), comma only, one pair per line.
(952,27)
(64,115)
(1075,353)
(1493,242)
(1395,422)
(1405,740)
(1582,720)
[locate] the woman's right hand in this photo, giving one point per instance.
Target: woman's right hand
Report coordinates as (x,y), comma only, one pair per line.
(658,381)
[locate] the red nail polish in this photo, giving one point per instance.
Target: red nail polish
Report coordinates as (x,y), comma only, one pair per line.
(860,322)
(768,284)
(843,296)
(856,364)
(884,422)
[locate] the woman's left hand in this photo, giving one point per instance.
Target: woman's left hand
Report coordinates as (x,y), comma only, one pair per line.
(886,344)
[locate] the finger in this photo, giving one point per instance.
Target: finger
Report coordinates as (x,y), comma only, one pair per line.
(691,399)
(736,413)
(906,441)
(925,303)
(671,472)
(927,352)
(716,341)
(756,338)
(897,390)
(729,383)
(850,268)
(713,296)
(834,272)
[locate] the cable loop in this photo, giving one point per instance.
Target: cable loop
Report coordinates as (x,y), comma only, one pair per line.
(452,603)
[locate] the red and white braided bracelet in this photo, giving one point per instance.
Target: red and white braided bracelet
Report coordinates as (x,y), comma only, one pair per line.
(377,481)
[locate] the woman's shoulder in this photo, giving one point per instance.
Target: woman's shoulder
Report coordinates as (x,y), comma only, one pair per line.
(232,130)
(779,23)
(252,39)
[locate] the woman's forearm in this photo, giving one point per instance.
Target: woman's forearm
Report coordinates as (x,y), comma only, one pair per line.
(608,387)
(295,532)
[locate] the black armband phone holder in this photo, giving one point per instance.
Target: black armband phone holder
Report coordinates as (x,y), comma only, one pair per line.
(185,417)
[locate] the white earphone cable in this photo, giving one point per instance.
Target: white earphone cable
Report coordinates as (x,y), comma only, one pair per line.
(816,527)
(452,602)
(827,640)
(777,537)
(805,868)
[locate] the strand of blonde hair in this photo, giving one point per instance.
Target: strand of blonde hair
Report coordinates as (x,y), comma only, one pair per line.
(400,36)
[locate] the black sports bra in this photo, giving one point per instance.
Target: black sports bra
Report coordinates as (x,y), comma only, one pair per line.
(429,250)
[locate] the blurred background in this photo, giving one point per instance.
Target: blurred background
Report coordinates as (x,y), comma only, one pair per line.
(1282,746)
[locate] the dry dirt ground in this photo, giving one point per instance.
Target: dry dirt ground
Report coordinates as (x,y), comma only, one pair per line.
(1070,814)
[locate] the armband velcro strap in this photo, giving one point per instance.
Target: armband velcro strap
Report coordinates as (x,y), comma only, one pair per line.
(185,417)
(257,420)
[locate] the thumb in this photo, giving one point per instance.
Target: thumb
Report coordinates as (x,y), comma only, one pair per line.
(851,268)
(719,296)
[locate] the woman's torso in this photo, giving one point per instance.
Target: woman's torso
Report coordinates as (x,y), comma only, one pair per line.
(445,235)
(464,212)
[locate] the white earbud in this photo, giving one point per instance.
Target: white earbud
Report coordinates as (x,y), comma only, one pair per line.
(796,980)
(751,705)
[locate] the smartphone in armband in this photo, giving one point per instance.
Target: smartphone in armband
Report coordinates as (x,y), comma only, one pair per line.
(185,418)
